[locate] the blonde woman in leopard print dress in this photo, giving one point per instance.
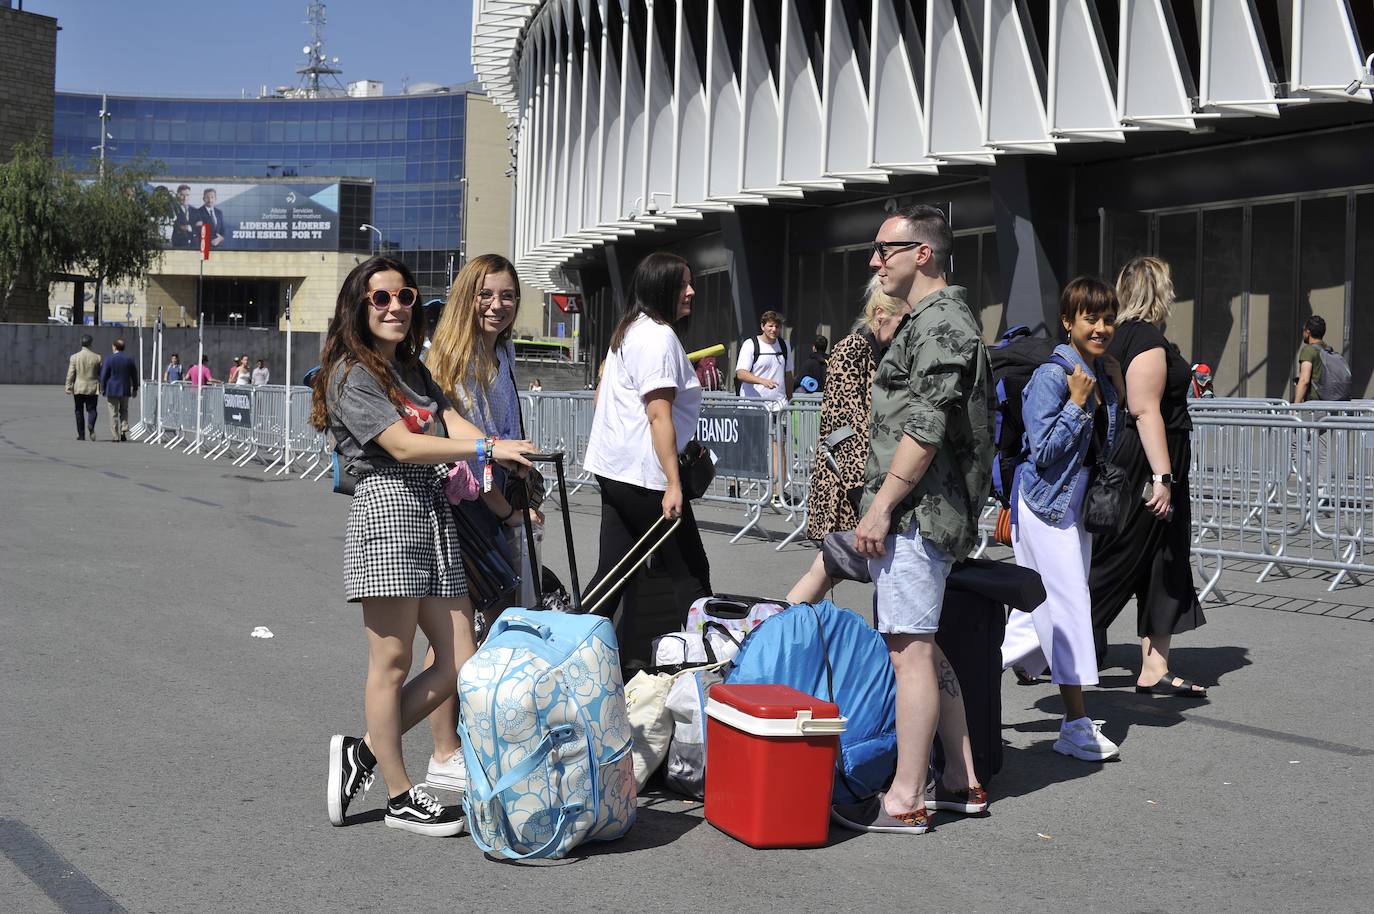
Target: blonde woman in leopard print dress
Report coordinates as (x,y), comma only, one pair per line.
(847,402)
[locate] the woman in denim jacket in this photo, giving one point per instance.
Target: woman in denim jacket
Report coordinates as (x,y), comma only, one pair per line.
(1069,408)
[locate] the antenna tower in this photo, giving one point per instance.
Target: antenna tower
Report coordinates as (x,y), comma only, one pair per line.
(320,75)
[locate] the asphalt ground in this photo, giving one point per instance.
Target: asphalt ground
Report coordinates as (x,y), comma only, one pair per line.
(155,757)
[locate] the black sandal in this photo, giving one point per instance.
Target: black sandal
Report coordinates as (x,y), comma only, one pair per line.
(1165,686)
(1024,678)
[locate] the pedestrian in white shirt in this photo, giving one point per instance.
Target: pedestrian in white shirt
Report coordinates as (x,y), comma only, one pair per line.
(260,374)
(764,372)
(647,406)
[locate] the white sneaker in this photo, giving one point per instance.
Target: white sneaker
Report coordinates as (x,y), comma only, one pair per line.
(450,775)
(1083,739)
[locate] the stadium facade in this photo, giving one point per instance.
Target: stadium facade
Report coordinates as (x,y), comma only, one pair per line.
(764,141)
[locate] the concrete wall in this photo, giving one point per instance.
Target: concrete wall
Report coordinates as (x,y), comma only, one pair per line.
(28,67)
(486,155)
(38,353)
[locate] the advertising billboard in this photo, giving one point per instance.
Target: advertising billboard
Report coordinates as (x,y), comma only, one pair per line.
(252,216)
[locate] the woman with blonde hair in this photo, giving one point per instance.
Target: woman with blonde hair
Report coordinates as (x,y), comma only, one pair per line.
(844,429)
(472,360)
(1148,557)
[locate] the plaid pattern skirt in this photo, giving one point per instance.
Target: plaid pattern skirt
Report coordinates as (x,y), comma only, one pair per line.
(401,541)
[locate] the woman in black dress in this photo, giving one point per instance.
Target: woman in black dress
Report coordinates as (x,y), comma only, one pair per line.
(1149,556)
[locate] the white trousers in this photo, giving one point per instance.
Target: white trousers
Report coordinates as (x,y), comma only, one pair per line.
(1059,632)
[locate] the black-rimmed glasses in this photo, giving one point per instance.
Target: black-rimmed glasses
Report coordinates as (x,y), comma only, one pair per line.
(885,249)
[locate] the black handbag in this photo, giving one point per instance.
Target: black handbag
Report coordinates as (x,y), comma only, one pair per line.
(1106,498)
(695,470)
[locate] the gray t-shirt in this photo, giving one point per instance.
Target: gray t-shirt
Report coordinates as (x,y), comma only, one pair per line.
(359,411)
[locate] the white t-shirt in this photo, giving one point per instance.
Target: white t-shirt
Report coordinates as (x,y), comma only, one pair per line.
(768,365)
(650,358)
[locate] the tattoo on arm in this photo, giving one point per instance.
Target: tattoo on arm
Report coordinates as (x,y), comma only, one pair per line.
(949,683)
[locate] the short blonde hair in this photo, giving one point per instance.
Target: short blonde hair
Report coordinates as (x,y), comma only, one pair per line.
(1146,290)
(878,305)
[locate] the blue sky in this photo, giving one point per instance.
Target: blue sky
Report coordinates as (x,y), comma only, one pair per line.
(221,49)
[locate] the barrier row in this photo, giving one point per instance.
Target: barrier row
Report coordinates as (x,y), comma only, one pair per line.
(269,424)
(1285,486)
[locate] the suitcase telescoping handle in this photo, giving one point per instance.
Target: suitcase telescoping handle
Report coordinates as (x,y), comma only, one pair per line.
(611,583)
(556,458)
(604,586)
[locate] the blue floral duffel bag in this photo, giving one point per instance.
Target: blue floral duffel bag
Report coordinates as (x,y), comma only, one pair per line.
(546,736)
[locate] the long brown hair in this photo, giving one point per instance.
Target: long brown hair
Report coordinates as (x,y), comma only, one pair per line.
(456,353)
(654,291)
(349,339)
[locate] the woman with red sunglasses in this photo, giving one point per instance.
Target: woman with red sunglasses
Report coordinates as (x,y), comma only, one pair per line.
(395,434)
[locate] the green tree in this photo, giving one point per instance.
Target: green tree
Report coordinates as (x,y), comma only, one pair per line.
(38,234)
(119,217)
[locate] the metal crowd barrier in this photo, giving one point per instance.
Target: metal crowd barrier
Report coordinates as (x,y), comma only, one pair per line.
(250,426)
(1272,483)
(1287,487)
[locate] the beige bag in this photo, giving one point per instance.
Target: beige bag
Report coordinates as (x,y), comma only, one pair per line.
(651,726)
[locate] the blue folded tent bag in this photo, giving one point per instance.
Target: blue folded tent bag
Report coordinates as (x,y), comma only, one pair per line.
(833,654)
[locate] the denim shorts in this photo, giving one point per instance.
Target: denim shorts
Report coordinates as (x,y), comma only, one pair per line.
(909,584)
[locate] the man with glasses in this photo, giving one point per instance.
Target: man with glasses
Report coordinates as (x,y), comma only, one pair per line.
(927,477)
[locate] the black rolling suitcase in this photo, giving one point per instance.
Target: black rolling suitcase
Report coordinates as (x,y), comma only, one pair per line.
(973,620)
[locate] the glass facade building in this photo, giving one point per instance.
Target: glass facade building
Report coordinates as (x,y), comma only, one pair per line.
(410,146)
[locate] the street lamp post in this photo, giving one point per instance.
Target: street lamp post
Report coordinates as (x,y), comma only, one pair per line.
(365,227)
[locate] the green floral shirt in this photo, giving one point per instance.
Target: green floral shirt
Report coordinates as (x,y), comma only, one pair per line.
(935,385)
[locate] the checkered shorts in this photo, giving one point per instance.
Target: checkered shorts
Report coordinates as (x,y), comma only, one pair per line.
(401,541)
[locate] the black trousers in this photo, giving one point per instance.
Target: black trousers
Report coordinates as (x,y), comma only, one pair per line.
(680,565)
(85,403)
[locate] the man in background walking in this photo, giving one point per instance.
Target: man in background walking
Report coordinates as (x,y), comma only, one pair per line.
(83,383)
(119,382)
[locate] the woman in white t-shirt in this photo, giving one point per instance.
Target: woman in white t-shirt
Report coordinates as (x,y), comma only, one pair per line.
(646,412)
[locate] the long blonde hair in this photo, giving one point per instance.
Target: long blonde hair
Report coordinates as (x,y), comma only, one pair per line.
(878,305)
(1146,291)
(456,355)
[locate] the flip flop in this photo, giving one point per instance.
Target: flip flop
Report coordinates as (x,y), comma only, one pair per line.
(1024,678)
(1165,686)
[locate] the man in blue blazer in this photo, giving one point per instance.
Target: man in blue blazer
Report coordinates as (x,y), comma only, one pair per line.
(119,382)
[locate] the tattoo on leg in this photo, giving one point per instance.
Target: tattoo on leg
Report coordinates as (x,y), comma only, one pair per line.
(949,683)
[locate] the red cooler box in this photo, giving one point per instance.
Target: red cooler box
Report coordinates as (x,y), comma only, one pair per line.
(770,764)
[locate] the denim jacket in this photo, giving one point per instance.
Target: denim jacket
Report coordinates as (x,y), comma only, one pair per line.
(1058,432)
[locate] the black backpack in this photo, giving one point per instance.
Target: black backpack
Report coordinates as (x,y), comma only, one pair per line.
(1014,359)
(754,362)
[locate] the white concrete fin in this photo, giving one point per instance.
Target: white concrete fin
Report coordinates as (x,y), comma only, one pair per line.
(659,117)
(691,144)
(759,120)
(1326,51)
(1151,88)
(897,137)
(800,146)
(1013,106)
(608,211)
(845,111)
(954,119)
(1080,85)
(1235,72)
(632,124)
(724,111)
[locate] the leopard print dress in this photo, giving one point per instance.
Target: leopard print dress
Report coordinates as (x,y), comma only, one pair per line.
(848,401)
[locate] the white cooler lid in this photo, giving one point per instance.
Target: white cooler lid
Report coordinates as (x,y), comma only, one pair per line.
(803,724)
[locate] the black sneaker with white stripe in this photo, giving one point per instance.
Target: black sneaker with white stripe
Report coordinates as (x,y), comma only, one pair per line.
(416,810)
(348,776)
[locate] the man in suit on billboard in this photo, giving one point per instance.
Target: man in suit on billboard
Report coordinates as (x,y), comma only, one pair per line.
(183,234)
(213,216)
